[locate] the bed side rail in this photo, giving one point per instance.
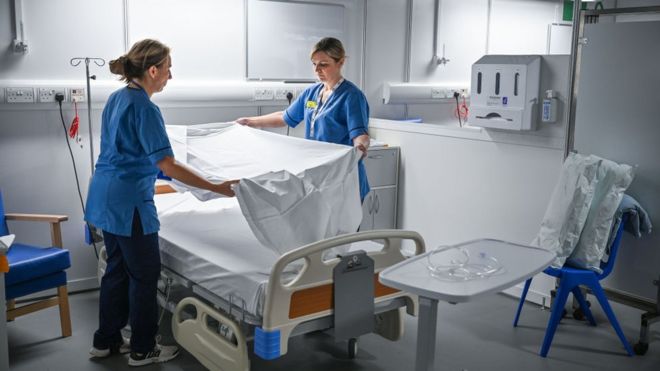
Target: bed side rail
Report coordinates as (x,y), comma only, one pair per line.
(318,272)
(195,334)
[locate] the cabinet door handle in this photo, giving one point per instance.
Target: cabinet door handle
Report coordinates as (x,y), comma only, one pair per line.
(377,202)
(375,157)
(370,203)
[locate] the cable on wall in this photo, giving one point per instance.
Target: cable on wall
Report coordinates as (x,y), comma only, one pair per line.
(19,44)
(60,98)
(436,28)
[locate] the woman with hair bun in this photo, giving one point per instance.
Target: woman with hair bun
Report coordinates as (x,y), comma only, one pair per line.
(120,201)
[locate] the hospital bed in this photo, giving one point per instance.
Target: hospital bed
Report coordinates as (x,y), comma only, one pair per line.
(225,289)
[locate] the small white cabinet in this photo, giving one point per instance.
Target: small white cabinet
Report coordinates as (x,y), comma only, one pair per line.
(379,206)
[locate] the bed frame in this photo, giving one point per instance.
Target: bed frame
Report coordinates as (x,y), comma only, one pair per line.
(201,322)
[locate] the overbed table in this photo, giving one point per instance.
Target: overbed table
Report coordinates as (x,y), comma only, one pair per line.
(518,263)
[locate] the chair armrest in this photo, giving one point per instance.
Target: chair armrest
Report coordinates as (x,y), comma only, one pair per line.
(54,220)
(36,217)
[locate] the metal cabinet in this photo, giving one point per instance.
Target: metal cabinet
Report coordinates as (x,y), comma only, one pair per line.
(380,205)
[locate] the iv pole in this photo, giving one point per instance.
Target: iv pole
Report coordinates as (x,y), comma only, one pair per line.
(99,62)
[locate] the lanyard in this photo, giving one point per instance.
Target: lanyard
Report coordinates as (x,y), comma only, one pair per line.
(320,106)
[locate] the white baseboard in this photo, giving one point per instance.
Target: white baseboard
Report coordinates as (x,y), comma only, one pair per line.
(82,284)
(73,286)
(532,295)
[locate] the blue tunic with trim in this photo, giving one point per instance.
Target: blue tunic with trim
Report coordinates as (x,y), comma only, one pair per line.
(343,116)
(133,141)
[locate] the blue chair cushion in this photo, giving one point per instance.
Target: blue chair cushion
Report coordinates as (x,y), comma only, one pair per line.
(39,284)
(27,262)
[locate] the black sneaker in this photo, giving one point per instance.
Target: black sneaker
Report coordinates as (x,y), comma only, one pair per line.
(161,353)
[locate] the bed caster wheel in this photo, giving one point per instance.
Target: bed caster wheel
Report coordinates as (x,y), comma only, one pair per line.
(352,348)
(640,348)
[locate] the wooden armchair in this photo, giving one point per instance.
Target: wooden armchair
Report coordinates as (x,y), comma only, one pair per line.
(34,269)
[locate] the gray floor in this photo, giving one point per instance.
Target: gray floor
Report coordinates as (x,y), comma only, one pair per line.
(472,336)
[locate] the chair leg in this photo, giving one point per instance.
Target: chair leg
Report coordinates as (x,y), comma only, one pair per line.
(577,292)
(602,299)
(65,315)
(555,316)
(522,301)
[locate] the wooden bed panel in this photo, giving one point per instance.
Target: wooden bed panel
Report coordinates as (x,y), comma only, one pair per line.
(320,298)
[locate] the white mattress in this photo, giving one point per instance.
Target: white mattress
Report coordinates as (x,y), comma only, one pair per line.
(211,244)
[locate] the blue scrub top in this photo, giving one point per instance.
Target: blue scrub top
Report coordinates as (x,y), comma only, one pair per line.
(343,116)
(133,141)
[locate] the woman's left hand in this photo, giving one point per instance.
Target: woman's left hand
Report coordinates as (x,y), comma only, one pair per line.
(225,188)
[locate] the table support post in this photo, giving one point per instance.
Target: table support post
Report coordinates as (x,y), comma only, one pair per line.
(426,327)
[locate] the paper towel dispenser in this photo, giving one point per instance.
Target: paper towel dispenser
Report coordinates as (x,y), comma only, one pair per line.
(504,92)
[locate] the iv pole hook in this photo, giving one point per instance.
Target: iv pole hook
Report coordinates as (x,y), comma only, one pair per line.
(99,62)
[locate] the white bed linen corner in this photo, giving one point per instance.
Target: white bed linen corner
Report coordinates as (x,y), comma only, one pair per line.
(292,191)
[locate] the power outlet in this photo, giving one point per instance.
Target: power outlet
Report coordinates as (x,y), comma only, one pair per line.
(47,95)
(19,95)
(77,94)
(440,93)
(280,94)
(264,94)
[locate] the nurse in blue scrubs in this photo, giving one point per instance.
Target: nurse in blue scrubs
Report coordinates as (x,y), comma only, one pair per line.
(134,147)
(334,110)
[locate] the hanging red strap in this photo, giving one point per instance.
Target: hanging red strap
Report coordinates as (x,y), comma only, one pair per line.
(73,129)
(461,110)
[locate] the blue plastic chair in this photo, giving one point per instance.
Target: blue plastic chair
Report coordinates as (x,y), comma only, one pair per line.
(34,269)
(570,280)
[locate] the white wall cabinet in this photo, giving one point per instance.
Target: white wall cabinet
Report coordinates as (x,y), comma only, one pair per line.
(380,205)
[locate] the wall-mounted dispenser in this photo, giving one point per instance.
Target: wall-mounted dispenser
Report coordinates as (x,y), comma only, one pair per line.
(504,92)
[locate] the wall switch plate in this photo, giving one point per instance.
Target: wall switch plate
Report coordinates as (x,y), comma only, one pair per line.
(47,95)
(77,94)
(438,93)
(19,95)
(264,94)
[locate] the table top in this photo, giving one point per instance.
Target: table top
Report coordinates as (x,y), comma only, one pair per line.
(518,262)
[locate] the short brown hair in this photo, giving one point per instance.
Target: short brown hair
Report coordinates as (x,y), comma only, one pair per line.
(330,46)
(136,62)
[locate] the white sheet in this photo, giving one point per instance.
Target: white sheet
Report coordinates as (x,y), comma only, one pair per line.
(292,191)
(568,207)
(211,244)
(612,180)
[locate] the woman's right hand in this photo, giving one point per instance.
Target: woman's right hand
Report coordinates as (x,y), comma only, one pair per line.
(243,121)
(225,188)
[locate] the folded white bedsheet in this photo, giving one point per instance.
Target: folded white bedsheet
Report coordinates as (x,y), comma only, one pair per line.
(292,191)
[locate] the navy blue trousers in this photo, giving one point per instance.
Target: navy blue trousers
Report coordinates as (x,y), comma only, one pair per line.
(128,290)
